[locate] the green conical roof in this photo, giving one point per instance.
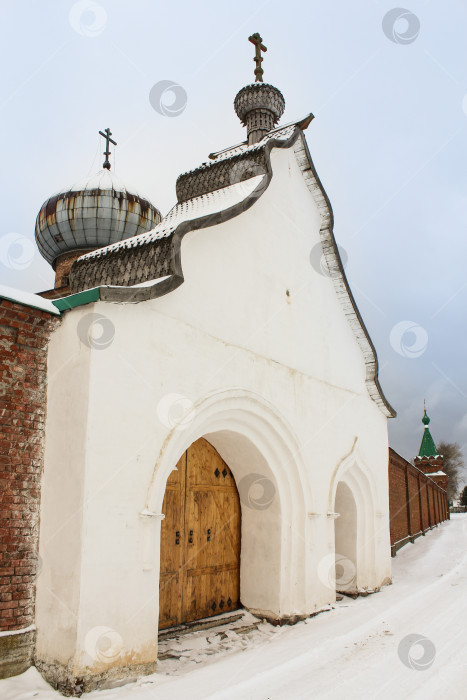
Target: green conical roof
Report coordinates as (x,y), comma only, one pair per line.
(428,447)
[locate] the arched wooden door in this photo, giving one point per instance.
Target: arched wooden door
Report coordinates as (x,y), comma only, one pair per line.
(200,539)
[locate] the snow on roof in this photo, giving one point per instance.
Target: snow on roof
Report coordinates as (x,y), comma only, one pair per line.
(148,283)
(205,205)
(282,133)
(102,180)
(440,473)
(278,132)
(28,299)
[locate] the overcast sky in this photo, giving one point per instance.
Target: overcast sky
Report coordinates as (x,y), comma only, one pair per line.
(389,141)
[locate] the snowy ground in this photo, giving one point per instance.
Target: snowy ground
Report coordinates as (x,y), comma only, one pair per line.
(350,651)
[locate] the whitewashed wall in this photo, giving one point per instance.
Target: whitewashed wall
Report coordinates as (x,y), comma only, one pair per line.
(256,342)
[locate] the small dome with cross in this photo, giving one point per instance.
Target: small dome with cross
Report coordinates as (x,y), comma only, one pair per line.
(259,106)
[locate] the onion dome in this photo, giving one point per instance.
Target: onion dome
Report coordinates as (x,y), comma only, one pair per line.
(93,213)
(259,107)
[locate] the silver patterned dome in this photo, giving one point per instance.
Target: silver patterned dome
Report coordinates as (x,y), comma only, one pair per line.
(93,213)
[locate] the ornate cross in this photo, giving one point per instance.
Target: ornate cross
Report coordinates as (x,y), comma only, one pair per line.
(258,59)
(108,140)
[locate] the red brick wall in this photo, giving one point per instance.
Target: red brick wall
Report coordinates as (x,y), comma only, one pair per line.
(423,493)
(24,333)
(397,498)
(414,503)
(408,488)
(63,265)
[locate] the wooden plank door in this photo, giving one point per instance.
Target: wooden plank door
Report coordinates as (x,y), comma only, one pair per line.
(172,571)
(203,506)
(212,514)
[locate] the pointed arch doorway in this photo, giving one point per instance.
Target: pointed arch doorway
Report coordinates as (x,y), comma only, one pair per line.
(200,539)
(346,539)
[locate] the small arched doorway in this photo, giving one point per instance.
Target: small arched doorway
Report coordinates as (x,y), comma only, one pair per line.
(200,539)
(345,539)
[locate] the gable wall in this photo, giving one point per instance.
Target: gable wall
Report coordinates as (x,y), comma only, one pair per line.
(229,328)
(237,275)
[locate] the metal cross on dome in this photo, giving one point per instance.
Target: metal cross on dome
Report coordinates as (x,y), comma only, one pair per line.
(258,59)
(108,140)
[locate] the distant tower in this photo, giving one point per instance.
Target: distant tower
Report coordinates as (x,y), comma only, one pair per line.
(259,106)
(428,459)
(91,214)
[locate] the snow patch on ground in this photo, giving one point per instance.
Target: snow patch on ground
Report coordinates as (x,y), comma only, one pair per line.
(185,652)
(349,652)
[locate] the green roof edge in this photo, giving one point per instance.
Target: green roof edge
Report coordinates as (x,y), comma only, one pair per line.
(78,299)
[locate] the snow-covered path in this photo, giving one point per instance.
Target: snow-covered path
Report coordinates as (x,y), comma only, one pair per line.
(349,652)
